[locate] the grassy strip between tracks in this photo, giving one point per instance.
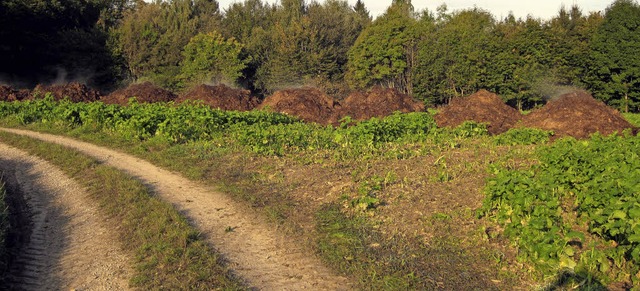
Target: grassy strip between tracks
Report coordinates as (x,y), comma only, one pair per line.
(168,253)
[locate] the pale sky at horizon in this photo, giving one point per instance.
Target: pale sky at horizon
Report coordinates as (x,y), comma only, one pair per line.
(544,9)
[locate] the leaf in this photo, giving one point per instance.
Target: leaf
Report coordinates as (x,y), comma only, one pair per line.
(567,263)
(619,214)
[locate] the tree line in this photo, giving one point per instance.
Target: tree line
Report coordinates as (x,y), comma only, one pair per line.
(432,55)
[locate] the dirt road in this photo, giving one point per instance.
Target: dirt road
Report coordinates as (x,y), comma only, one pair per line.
(69,245)
(256,250)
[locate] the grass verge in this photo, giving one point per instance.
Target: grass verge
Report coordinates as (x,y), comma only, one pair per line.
(168,253)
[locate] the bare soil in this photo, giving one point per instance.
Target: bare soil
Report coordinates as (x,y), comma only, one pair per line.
(377,102)
(579,115)
(222,97)
(483,107)
(144,93)
(257,251)
(66,244)
(76,92)
(308,104)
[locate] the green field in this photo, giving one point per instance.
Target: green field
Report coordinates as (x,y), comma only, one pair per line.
(397,203)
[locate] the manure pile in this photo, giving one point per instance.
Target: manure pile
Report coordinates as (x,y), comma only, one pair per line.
(308,104)
(143,92)
(577,114)
(7,93)
(378,102)
(483,107)
(222,97)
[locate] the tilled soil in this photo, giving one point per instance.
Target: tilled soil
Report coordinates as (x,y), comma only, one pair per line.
(68,245)
(257,252)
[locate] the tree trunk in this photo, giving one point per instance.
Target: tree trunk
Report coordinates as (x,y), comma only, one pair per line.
(626,102)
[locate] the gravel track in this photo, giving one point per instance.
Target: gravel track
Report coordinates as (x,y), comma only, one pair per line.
(69,245)
(257,252)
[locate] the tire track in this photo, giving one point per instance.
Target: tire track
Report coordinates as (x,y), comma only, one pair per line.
(69,246)
(257,252)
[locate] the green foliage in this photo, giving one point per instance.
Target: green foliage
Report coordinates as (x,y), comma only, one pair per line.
(152,37)
(259,131)
(578,209)
(633,118)
(615,63)
(305,44)
(384,52)
(453,58)
(523,136)
(210,57)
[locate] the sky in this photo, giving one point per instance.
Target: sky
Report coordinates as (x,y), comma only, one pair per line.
(545,9)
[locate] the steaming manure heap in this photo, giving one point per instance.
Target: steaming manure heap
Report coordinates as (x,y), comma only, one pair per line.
(143,92)
(308,104)
(483,107)
(8,93)
(76,92)
(378,102)
(579,115)
(222,97)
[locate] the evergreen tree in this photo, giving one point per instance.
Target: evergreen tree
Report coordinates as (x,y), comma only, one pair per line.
(520,68)
(615,61)
(454,58)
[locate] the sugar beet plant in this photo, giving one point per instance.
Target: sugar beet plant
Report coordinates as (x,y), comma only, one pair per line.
(259,131)
(577,211)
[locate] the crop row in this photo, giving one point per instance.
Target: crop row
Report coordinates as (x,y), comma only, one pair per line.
(259,131)
(577,211)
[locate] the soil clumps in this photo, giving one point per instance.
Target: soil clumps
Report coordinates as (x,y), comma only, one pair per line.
(482,106)
(378,102)
(7,93)
(308,104)
(76,92)
(222,97)
(143,92)
(579,115)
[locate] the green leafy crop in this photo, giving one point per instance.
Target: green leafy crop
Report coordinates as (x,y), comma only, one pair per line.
(577,210)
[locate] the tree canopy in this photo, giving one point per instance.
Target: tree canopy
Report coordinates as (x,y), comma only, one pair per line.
(433,55)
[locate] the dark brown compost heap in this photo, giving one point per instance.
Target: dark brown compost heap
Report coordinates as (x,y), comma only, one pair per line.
(308,104)
(143,92)
(483,107)
(577,114)
(377,102)
(222,97)
(76,92)
(7,93)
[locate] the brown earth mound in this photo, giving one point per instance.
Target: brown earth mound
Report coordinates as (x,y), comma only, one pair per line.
(143,92)
(221,96)
(482,106)
(378,102)
(577,114)
(308,104)
(76,92)
(7,93)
